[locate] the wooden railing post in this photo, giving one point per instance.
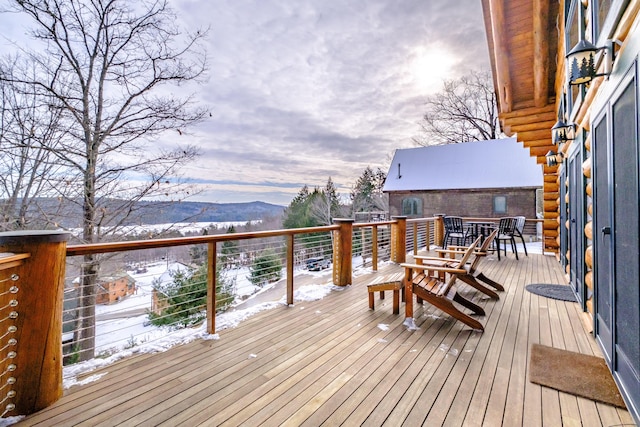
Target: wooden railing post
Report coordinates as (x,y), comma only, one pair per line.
(342,252)
(427,235)
(374,248)
(37,365)
(399,239)
(211,287)
(415,238)
(290,252)
(438,238)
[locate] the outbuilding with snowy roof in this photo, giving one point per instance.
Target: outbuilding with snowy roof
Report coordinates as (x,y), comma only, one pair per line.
(487,179)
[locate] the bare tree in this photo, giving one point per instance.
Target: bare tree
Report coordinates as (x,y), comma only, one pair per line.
(29,130)
(109,66)
(466,110)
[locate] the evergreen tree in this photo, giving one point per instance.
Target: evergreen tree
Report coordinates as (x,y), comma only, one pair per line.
(184,300)
(367,195)
(297,213)
(266,268)
(326,204)
(230,250)
(198,253)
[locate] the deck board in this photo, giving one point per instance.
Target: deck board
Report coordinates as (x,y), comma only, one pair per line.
(334,361)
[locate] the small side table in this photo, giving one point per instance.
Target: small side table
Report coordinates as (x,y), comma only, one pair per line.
(393,282)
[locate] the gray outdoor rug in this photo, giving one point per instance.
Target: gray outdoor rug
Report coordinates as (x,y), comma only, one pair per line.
(561,292)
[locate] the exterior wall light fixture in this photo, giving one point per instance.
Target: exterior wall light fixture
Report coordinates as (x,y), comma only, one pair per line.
(581,61)
(553,158)
(562,132)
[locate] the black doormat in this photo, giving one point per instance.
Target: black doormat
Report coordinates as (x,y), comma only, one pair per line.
(561,292)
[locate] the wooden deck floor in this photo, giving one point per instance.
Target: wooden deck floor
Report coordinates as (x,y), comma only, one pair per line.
(333,362)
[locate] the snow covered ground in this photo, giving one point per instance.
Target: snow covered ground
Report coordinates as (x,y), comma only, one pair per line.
(122,329)
(125,324)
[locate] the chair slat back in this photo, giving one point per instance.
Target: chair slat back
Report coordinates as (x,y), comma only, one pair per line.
(453,224)
(507,225)
(483,250)
(520,221)
(463,261)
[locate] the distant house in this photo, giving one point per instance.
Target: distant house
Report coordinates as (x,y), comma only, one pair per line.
(492,179)
(112,289)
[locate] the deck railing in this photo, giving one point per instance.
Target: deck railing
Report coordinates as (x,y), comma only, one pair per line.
(39,272)
(9,300)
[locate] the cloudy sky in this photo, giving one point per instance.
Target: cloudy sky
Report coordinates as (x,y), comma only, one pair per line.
(304,90)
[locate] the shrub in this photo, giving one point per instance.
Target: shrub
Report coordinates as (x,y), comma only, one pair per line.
(266,268)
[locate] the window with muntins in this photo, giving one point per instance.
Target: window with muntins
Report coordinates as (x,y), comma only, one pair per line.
(412,206)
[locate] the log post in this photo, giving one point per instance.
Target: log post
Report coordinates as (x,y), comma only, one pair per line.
(399,239)
(438,237)
(342,251)
(37,318)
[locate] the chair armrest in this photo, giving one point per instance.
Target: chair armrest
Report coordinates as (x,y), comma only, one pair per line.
(476,253)
(433,258)
(451,251)
(433,268)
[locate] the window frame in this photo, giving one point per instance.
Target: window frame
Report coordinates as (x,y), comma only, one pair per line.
(494,201)
(413,202)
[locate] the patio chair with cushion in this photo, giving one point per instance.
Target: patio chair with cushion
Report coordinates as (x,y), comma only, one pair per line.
(473,276)
(454,229)
(520,221)
(506,232)
(427,285)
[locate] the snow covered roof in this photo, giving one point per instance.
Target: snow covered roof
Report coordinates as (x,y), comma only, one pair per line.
(497,163)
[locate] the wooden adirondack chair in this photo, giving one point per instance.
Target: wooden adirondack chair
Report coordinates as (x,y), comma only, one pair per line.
(428,286)
(473,275)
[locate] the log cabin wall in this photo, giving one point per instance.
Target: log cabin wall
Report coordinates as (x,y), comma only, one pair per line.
(601,193)
(523,42)
(527,42)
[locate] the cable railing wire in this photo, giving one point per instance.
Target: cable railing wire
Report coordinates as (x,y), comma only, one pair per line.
(168,293)
(9,312)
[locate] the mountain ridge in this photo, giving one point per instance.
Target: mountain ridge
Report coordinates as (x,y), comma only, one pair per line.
(207,211)
(67,213)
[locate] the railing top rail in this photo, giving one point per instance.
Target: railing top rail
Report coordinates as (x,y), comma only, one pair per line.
(96,248)
(6,257)
(10,260)
(389,222)
(472,218)
(373,223)
(411,220)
